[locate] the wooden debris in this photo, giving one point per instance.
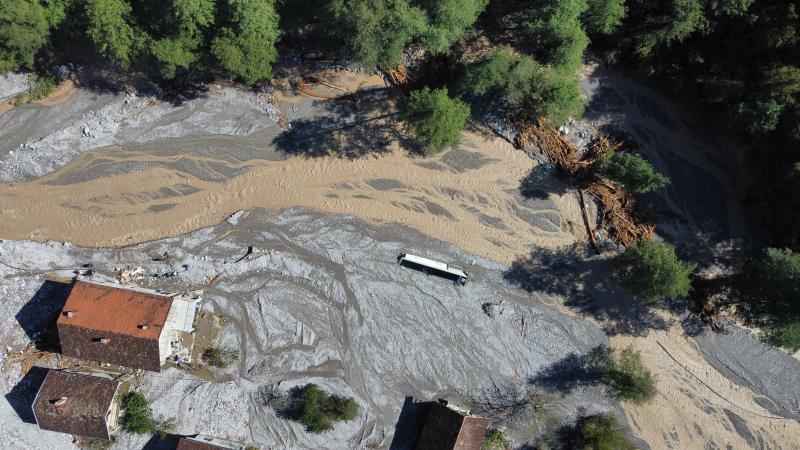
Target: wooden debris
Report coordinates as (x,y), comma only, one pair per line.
(619,215)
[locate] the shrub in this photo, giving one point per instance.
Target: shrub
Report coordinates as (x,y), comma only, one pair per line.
(602,432)
(217,357)
(495,440)
(504,74)
(771,287)
(435,118)
(632,172)
(138,416)
(318,410)
(629,378)
(41,86)
(651,271)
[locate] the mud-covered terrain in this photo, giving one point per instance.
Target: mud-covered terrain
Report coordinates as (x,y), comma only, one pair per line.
(322,299)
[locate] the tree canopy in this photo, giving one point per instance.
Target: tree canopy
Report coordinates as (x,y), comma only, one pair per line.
(434,118)
(628,377)
(651,271)
(25,28)
(632,172)
(602,432)
(770,284)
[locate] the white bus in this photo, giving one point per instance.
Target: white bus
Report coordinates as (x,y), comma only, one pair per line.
(429,266)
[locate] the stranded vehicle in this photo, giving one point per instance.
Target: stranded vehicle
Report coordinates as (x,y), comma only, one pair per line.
(429,266)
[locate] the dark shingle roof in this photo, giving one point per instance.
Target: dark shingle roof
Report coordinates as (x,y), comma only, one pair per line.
(83,413)
(446,429)
(192,444)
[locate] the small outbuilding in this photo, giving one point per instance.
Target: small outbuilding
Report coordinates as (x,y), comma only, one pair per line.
(130,327)
(78,404)
(202,442)
(447,428)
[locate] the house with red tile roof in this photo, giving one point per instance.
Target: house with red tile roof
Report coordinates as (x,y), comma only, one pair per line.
(130,327)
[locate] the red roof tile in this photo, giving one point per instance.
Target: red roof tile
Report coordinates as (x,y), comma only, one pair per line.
(115,310)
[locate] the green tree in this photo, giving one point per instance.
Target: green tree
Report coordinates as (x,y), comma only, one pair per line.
(603,16)
(318,410)
(434,118)
(651,271)
(629,378)
(111,31)
(495,440)
(504,74)
(184,36)
(556,96)
(245,47)
(631,172)
(656,23)
(556,28)
(24,29)
(138,416)
(602,432)
(377,31)
(449,20)
(759,116)
(770,284)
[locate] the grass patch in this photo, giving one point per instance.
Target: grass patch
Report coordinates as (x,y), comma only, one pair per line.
(39,87)
(221,358)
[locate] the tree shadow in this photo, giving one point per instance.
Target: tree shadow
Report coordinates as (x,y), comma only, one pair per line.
(573,371)
(22,395)
(350,128)
(409,424)
(587,285)
(37,318)
(539,183)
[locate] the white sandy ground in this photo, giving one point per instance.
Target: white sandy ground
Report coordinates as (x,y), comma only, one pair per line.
(117,210)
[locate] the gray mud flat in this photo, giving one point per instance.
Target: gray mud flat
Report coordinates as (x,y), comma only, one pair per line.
(321,299)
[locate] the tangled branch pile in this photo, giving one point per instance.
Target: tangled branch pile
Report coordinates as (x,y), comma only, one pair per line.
(619,215)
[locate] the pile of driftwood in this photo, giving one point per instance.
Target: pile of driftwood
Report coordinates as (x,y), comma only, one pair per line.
(619,215)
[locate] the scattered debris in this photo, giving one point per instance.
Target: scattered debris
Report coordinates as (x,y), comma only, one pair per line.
(129,275)
(619,214)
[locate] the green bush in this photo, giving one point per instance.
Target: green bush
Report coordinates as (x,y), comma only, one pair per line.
(495,440)
(504,74)
(318,410)
(138,416)
(41,86)
(651,271)
(629,378)
(602,432)
(434,118)
(770,287)
(222,358)
(556,96)
(631,172)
